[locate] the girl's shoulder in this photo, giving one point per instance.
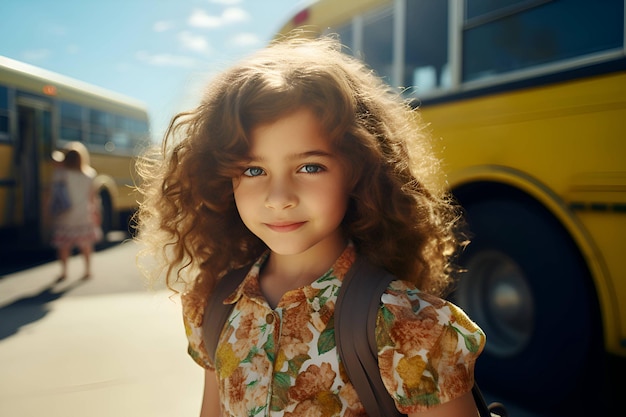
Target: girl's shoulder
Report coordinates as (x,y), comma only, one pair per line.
(400,292)
(193,306)
(427,347)
(403,303)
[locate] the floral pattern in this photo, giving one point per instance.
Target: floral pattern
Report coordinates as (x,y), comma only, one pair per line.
(284,362)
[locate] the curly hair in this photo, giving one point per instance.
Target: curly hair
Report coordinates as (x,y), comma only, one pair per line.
(398,215)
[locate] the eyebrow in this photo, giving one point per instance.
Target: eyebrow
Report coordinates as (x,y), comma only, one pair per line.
(296,156)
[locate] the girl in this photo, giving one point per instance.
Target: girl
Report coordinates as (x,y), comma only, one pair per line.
(297,161)
(79,226)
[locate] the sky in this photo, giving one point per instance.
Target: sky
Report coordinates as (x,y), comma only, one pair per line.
(161,52)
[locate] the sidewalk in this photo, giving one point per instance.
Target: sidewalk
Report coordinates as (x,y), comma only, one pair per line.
(93,349)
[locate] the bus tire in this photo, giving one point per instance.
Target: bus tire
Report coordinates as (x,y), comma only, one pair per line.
(529,289)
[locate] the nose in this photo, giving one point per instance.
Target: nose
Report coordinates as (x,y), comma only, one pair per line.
(281,194)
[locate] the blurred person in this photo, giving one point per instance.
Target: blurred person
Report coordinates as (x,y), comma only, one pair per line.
(79,225)
(296,162)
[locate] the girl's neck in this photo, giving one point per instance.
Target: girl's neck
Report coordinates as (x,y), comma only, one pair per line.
(282,273)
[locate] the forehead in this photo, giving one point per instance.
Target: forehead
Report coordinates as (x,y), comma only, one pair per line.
(296,132)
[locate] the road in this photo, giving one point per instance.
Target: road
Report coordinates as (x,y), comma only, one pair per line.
(103,347)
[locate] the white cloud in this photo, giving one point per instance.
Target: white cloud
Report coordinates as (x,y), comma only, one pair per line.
(193,42)
(36,54)
(165,60)
(201,19)
(245,39)
(235,15)
(162,26)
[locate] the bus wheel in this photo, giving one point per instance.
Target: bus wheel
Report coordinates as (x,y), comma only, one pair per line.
(528,288)
(106,211)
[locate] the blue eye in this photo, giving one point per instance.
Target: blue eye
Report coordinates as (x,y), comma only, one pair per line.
(253,172)
(311,169)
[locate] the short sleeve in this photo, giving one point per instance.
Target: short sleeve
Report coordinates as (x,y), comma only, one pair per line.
(193,313)
(427,348)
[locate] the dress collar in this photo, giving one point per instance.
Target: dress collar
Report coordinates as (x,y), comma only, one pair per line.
(250,286)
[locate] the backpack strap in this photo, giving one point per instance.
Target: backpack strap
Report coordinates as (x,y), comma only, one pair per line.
(356,311)
(216,312)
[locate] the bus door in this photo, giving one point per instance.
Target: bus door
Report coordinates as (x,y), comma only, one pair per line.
(32,147)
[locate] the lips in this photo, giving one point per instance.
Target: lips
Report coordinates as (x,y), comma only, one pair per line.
(284,227)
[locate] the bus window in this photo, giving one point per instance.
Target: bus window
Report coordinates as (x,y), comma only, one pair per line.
(121,132)
(377,48)
(4,114)
(139,129)
(475,8)
(98,127)
(426,45)
(506,40)
(71,121)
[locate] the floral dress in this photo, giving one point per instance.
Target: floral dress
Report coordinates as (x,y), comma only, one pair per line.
(284,361)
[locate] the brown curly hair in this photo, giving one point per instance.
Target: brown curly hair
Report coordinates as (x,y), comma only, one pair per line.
(398,216)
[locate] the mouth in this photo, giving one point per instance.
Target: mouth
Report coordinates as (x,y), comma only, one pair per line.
(284,227)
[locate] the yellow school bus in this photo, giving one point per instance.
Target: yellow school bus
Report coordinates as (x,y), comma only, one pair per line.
(526,100)
(40,112)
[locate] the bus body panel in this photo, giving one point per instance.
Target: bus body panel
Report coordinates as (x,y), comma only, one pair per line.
(122,184)
(320,15)
(587,182)
(8,198)
(607,288)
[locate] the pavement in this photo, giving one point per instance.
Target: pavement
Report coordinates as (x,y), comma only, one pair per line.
(103,347)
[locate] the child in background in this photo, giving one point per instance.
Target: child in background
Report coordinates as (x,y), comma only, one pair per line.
(78,226)
(297,161)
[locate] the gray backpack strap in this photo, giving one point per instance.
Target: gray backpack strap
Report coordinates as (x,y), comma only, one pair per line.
(216,312)
(356,311)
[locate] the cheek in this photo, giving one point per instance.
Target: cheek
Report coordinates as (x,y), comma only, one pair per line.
(335,201)
(239,196)
(246,198)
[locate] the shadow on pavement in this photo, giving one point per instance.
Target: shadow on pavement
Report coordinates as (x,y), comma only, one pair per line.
(14,258)
(30,309)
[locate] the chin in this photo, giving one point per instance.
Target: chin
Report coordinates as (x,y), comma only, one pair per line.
(286,246)
(286,250)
